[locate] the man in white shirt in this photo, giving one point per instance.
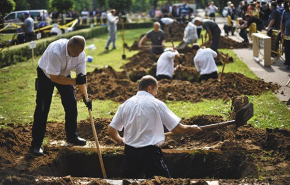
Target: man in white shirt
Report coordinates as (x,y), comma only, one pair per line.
(212,10)
(165,64)
(112,28)
(204,62)
(85,15)
(53,70)
(190,35)
(167,22)
(142,117)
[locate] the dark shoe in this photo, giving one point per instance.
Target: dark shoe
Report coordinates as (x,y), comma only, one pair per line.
(77,141)
(106,48)
(286,67)
(114,48)
(36,151)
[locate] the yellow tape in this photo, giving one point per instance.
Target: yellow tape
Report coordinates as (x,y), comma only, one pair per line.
(5,27)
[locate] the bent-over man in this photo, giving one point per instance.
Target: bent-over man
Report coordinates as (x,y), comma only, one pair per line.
(204,62)
(54,67)
(165,64)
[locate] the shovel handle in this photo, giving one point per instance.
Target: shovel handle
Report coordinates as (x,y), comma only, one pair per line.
(206,127)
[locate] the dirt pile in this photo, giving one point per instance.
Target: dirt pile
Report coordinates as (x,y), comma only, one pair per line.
(228,43)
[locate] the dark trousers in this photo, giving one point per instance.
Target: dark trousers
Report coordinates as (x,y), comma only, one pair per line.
(213,75)
(243,34)
(160,77)
(45,89)
(146,159)
(157,50)
(198,31)
(29,36)
(229,29)
(287,52)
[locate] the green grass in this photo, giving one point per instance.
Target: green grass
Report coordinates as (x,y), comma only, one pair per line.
(17,94)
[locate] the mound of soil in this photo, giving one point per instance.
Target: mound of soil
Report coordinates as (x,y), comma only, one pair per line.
(263,153)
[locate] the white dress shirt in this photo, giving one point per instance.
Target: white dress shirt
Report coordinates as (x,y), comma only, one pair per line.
(204,61)
(190,33)
(142,117)
(112,20)
(165,64)
(56,61)
(167,20)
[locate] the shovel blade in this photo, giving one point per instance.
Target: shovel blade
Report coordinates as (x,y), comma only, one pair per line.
(244,114)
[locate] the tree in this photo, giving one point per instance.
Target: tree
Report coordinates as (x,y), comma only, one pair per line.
(102,3)
(61,5)
(6,6)
(120,4)
(79,5)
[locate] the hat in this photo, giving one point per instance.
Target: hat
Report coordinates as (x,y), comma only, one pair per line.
(26,13)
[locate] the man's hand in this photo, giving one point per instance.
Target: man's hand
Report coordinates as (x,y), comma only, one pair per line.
(88,103)
(81,79)
(140,45)
(194,129)
(267,28)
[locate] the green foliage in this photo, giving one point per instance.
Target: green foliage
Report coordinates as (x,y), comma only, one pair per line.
(31,4)
(120,4)
(101,3)
(6,6)
(61,5)
(79,5)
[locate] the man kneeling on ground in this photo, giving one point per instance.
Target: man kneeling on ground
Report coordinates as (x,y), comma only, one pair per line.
(204,62)
(142,117)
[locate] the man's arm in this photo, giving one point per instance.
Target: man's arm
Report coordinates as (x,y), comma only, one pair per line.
(183,129)
(270,24)
(115,135)
(141,41)
(63,80)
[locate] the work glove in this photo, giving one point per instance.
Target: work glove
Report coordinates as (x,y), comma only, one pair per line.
(81,79)
(87,103)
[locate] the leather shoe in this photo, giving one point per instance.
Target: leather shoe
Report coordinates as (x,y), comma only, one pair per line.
(37,151)
(77,141)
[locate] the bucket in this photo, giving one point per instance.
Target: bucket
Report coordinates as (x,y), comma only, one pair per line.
(90,59)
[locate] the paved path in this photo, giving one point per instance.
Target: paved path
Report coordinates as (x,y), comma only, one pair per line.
(275,73)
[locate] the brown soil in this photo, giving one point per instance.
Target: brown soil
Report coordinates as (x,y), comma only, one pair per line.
(232,155)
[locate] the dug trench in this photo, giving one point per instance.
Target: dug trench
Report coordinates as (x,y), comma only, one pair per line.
(229,155)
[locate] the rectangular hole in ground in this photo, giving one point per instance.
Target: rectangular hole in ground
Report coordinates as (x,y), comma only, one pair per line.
(228,165)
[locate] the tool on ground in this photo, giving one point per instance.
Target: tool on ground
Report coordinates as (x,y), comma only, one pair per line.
(224,64)
(96,137)
(126,71)
(123,38)
(155,46)
(288,82)
(242,116)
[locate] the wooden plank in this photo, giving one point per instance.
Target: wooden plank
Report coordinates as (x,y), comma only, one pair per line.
(90,147)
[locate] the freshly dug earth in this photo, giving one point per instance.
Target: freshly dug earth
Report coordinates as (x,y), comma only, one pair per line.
(247,153)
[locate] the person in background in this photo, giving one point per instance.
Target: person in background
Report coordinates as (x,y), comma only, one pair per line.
(54,69)
(212,29)
(265,13)
(285,34)
(20,36)
(212,10)
(152,12)
(98,16)
(92,14)
(183,11)
(243,30)
(204,62)
(157,38)
(112,28)
(274,19)
(84,15)
(166,21)
(146,115)
(165,64)
(190,35)
(2,21)
(104,17)
(28,27)
(175,13)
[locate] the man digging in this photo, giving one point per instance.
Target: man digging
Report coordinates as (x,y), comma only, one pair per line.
(142,117)
(53,70)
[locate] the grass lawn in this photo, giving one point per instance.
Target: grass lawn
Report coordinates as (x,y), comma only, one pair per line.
(17,94)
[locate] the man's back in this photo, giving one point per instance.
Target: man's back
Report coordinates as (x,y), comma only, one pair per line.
(29,24)
(204,61)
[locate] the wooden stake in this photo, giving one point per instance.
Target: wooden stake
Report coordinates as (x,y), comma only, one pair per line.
(96,138)
(224,63)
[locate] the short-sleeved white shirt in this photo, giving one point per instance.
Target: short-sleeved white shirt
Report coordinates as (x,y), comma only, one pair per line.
(204,61)
(142,117)
(165,64)
(56,61)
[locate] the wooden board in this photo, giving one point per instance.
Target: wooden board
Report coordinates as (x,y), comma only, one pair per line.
(91,147)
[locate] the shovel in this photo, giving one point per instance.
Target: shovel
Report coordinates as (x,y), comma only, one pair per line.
(123,38)
(242,116)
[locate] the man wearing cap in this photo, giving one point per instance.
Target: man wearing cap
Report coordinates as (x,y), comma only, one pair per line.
(204,62)
(28,27)
(142,117)
(54,68)
(157,39)
(165,64)
(212,29)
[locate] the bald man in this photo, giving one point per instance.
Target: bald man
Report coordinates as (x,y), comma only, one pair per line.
(157,39)
(54,68)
